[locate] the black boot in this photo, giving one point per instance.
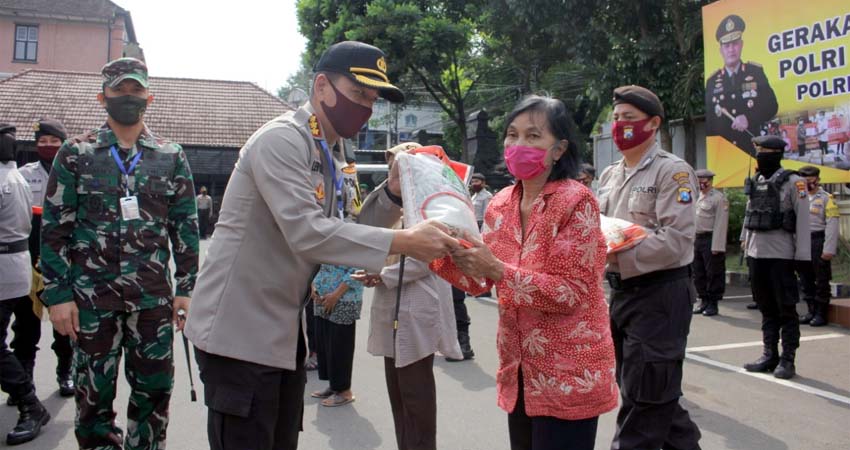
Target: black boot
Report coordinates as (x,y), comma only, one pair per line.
(33,417)
(66,384)
(465,347)
(806,318)
(710,309)
(752,305)
(785,370)
(821,313)
(768,361)
(703,304)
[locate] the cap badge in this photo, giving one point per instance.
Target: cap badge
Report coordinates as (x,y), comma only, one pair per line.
(730,25)
(382,64)
(36,126)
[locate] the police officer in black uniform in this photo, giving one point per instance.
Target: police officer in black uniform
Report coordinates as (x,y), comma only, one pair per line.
(776,238)
(49,135)
(738,97)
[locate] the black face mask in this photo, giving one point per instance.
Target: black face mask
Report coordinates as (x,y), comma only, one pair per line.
(769,163)
(127,109)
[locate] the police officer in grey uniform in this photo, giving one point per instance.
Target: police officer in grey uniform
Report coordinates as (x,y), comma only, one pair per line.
(738,96)
(712,222)
(15,281)
(777,237)
(651,289)
(814,277)
(49,135)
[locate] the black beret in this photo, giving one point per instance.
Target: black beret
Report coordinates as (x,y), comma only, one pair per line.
(704,173)
(478,176)
(7,128)
(50,127)
(641,98)
(730,29)
(809,171)
(770,141)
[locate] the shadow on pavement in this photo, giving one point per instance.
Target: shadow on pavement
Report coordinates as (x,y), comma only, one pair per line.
(345,427)
(737,435)
(469,373)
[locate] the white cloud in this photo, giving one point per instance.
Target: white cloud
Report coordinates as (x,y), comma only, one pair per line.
(246,40)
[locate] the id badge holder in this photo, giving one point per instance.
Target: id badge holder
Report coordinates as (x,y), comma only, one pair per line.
(130,208)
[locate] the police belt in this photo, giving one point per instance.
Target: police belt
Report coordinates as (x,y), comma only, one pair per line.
(819,234)
(659,276)
(14,247)
(706,235)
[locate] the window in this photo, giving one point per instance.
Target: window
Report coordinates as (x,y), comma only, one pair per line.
(26,43)
(410,120)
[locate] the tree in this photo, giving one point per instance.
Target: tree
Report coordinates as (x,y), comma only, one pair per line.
(299,80)
(432,44)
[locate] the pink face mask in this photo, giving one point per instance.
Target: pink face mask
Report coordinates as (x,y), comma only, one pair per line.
(525,163)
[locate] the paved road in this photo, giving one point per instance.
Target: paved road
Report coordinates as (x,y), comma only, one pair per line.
(734,410)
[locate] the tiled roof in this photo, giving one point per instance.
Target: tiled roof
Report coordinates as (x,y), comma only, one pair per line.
(201,113)
(92,9)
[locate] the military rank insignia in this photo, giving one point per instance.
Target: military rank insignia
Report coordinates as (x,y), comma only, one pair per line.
(628,132)
(314,127)
(801,188)
(685,195)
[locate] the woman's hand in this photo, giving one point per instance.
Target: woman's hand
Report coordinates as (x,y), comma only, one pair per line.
(329,302)
(478,261)
(367,279)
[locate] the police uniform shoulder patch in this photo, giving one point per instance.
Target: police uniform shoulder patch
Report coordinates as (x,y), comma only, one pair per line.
(801,188)
(685,195)
(682,178)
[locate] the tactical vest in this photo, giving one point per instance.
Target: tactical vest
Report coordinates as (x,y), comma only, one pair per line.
(764,212)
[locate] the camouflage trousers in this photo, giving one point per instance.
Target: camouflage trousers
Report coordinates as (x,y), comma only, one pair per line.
(146,337)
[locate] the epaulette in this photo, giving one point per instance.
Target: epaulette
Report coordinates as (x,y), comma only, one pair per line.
(754,64)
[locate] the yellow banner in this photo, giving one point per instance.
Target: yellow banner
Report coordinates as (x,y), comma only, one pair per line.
(776,67)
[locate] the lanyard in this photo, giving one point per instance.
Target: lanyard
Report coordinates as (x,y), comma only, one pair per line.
(337,182)
(124,170)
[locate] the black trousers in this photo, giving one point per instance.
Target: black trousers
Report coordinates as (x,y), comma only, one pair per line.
(461,314)
(709,270)
(336,353)
(312,340)
(252,406)
(650,325)
(548,433)
(775,292)
(203,222)
(815,276)
(27,329)
(13,379)
(413,399)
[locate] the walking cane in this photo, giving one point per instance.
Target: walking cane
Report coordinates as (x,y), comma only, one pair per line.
(181,316)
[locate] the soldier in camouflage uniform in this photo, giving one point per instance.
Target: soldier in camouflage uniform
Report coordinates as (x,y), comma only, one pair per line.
(115,198)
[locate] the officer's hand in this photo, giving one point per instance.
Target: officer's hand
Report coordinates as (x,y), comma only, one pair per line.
(180,304)
(827,256)
(65,318)
(426,241)
(740,123)
(394,181)
(367,279)
(743,245)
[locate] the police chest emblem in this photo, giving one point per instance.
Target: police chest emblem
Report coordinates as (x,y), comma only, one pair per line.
(801,188)
(628,132)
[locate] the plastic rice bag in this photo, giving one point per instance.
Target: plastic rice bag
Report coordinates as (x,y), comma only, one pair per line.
(621,234)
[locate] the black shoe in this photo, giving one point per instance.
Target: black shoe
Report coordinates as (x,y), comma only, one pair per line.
(818,320)
(33,417)
(66,385)
(11,401)
(806,318)
(785,370)
(710,310)
(764,364)
(701,307)
(465,348)
(753,305)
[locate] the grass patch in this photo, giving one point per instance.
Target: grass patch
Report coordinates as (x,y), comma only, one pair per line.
(840,264)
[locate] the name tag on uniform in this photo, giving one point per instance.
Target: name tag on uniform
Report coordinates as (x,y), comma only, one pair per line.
(130,208)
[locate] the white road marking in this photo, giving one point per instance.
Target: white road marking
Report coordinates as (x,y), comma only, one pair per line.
(768,377)
(709,348)
(735,297)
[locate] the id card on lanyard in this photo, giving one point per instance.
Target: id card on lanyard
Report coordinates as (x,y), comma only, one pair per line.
(337,181)
(129,203)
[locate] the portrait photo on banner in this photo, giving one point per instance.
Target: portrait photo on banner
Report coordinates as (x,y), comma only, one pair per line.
(785,73)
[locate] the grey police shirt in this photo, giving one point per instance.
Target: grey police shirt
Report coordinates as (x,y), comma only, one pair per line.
(780,244)
(713,217)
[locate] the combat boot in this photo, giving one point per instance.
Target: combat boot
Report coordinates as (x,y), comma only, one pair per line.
(806,318)
(785,370)
(703,304)
(821,315)
(33,416)
(752,305)
(768,361)
(66,384)
(710,309)
(465,347)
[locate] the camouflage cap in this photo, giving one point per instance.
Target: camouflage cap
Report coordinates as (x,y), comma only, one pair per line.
(114,72)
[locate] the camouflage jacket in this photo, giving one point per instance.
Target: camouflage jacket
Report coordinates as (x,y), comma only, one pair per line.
(89,254)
